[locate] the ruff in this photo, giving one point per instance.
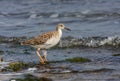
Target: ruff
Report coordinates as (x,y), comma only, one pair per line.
(45,41)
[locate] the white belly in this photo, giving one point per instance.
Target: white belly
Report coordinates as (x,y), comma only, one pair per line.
(50,43)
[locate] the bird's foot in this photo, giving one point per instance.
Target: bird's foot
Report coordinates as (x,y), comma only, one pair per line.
(45,60)
(42,61)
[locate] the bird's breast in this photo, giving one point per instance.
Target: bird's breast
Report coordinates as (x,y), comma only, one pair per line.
(53,41)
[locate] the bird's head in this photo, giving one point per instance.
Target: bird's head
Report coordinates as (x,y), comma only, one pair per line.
(62,26)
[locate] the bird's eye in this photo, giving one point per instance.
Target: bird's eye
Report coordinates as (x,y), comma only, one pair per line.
(61,25)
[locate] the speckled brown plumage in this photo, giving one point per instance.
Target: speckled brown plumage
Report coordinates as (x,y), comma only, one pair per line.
(41,39)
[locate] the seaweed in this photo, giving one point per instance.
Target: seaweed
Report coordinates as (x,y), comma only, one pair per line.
(116,55)
(78,59)
(16,66)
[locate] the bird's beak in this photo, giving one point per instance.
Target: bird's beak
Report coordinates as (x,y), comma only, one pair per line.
(67,28)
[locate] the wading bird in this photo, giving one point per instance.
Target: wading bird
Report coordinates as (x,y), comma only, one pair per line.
(45,41)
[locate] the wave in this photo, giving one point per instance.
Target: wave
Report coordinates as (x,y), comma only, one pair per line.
(90,42)
(82,14)
(69,42)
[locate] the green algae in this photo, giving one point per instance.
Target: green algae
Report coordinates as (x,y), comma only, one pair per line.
(16,66)
(78,59)
(116,55)
(75,59)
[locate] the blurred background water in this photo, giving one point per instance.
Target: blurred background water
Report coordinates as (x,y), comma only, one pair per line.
(86,18)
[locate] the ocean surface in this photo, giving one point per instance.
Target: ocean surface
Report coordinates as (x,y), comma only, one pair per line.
(95,34)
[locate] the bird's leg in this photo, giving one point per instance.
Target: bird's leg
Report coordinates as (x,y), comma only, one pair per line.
(40,57)
(45,55)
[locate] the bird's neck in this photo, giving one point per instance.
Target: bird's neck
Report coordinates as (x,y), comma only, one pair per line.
(60,32)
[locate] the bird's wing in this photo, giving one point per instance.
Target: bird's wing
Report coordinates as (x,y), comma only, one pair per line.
(41,39)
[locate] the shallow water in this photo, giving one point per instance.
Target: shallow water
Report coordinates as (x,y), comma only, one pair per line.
(95,34)
(103,65)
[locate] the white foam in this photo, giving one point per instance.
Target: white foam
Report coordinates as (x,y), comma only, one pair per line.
(10,74)
(107,41)
(54,15)
(33,16)
(85,11)
(3,65)
(32,69)
(66,71)
(13,80)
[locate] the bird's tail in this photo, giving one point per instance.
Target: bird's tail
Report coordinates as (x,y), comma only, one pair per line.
(22,43)
(27,42)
